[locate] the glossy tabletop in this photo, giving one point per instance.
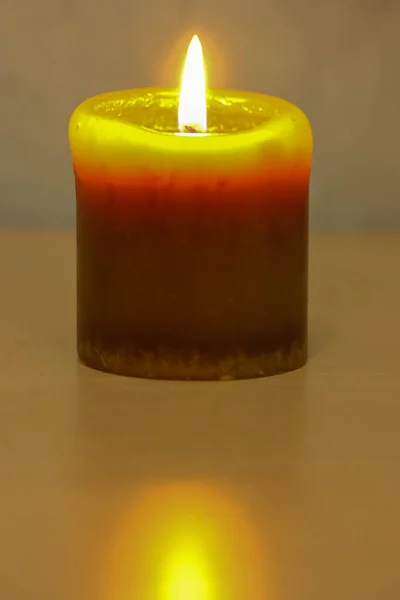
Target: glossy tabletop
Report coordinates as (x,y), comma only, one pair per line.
(285,488)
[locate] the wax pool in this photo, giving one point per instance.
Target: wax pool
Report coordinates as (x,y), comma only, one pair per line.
(192,248)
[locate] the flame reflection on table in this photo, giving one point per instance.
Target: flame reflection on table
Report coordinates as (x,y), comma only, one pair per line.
(185,542)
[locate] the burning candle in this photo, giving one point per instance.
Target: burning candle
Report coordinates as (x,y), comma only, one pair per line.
(192,231)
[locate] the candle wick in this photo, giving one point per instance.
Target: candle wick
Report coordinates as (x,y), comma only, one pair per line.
(189,129)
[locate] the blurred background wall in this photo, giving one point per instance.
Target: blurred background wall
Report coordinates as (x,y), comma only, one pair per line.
(337,59)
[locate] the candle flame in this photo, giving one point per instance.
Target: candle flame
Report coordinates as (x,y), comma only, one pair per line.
(192,111)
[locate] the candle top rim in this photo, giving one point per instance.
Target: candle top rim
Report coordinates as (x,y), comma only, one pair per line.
(139,126)
(264,112)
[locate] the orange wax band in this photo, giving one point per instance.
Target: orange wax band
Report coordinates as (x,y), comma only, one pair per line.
(192,247)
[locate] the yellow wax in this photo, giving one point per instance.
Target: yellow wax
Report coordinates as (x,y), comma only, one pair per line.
(248,133)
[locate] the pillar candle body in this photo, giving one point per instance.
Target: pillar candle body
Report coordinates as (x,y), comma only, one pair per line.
(192,249)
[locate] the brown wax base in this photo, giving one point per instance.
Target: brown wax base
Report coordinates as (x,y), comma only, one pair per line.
(166,365)
(203,283)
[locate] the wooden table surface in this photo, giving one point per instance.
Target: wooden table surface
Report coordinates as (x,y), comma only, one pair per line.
(285,488)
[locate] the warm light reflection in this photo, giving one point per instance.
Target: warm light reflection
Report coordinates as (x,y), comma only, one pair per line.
(186,576)
(192,111)
(185,542)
